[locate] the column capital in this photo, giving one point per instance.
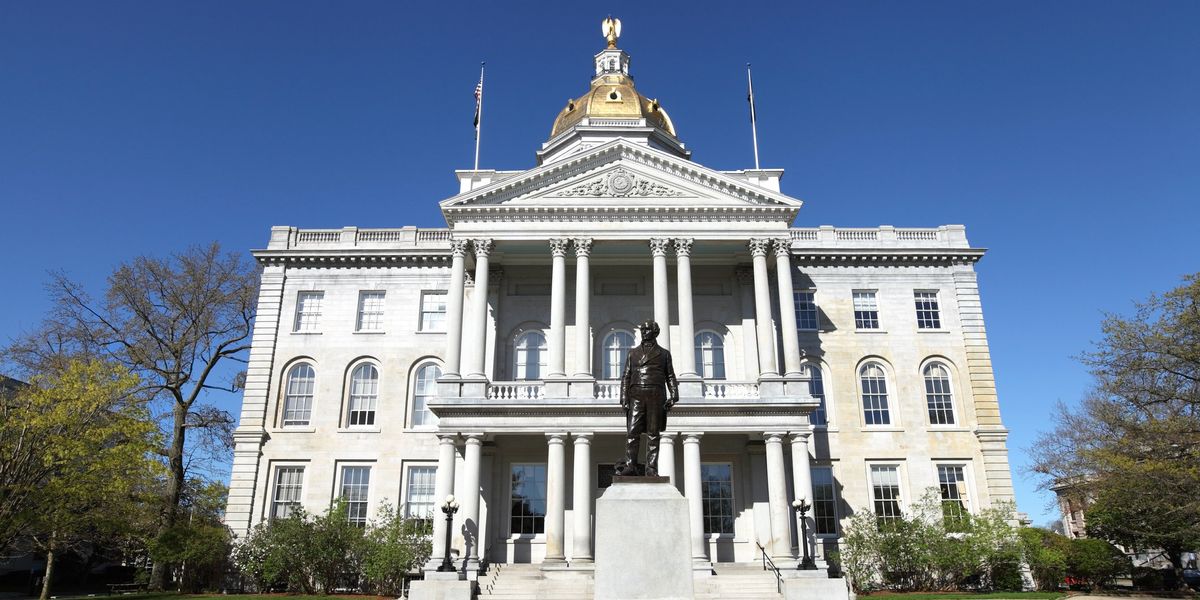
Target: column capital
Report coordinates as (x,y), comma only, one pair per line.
(583,437)
(758,246)
(558,246)
(668,435)
(473,438)
(801,436)
(683,246)
(782,246)
(692,438)
(658,246)
(447,439)
(773,437)
(583,246)
(556,438)
(483,246)
(458,247)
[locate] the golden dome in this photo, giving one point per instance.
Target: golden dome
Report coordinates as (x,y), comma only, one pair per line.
(613,97)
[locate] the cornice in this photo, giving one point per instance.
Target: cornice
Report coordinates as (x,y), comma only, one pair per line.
(886,256)
(609,214)
(355,257)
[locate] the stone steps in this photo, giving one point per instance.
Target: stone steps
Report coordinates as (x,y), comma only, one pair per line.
(732,581)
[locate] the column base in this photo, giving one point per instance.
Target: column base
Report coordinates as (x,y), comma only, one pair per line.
(701,568)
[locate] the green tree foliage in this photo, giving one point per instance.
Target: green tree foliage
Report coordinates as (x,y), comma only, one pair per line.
(324,553)
(1096,562)
(1131,449)
(76,449)
(199,544)
(930,550)
(1046,554)
(174,322)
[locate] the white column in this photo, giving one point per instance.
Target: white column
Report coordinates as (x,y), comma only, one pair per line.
(556,492)
(781,524)
(558,308)
(762,308)
(468,498)
(787,307)
(443,485)
(802,482)
(581,501)
(476,340)
(693,490)
(685,355)
(666,455)
(662,311)
(454,309)
(583,297)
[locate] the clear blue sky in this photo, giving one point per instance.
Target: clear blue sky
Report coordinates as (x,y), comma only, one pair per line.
(1065,135)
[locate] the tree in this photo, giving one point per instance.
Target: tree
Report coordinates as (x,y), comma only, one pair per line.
(174,322)
(1131,449)
(77,446)
(199,543)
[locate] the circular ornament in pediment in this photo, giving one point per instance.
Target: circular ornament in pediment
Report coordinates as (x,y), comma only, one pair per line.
(620,183)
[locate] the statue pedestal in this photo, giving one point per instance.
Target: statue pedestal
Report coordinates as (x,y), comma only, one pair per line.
(642,542)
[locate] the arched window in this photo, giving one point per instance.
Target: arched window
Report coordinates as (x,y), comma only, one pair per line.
(364,392)
(298,395)
(530,356)
(874,394)
(710,355)
(938,397)
(424,387)
(616,349)
(816,389)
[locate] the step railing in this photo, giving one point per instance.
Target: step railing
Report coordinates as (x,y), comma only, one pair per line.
(767,562)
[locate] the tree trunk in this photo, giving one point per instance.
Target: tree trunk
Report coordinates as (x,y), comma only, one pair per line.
(1176,556)
(175,475)
(49,571)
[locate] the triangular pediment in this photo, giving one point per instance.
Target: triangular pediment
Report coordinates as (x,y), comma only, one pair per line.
(620,174)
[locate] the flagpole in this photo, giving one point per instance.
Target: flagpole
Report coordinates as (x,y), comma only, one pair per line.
(479,115)
(753,124)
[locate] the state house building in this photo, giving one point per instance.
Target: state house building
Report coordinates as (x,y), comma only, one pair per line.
(846,366)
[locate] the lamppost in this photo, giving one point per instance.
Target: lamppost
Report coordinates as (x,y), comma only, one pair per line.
(806,562)
(450,506)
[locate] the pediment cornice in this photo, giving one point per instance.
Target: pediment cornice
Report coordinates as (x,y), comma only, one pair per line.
(613,172)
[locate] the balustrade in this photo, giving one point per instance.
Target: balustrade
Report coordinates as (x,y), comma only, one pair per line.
(516,390)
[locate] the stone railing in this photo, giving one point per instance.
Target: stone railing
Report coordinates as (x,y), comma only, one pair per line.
(608,390)
(353,237)
(732,390)
(884,236)
(508,391)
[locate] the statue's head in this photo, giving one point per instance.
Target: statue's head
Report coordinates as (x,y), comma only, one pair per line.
(649,330)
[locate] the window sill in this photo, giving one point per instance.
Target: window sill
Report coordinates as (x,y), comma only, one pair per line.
(533,538)
(919,330)
(421,429)
(359,429)
(370,332)
(430,332)
(952,428)
(296,429)
(306,333)
(870,331)
(890,429)
(723,537)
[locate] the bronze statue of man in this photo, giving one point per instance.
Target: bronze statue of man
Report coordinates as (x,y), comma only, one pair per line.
(648,391)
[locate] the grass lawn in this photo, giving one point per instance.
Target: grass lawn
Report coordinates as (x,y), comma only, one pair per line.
(956,595)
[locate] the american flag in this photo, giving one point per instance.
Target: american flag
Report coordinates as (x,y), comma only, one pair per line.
(478,101)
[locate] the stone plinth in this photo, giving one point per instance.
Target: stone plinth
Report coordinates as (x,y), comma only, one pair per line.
(804,585)
(642,542)
(441,586)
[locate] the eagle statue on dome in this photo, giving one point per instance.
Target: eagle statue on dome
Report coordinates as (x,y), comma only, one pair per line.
(612,30)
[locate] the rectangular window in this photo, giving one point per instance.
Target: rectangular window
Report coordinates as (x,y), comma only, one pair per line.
(866,310)
(308,311)
(356,481)
(806,310)
(824,495)
(419,501)
(433,311)
(528,499)
(816,389)
(716,493)
(288,483)
(370,311)
(928,314)
(952,483)
(885,492)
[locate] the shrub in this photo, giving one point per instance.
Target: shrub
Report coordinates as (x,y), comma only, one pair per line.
(931,550)
(1046,554)
(395,545)
(1096,562)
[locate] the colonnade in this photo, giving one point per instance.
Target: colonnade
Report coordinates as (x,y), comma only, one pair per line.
(467,360)
(469,492)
